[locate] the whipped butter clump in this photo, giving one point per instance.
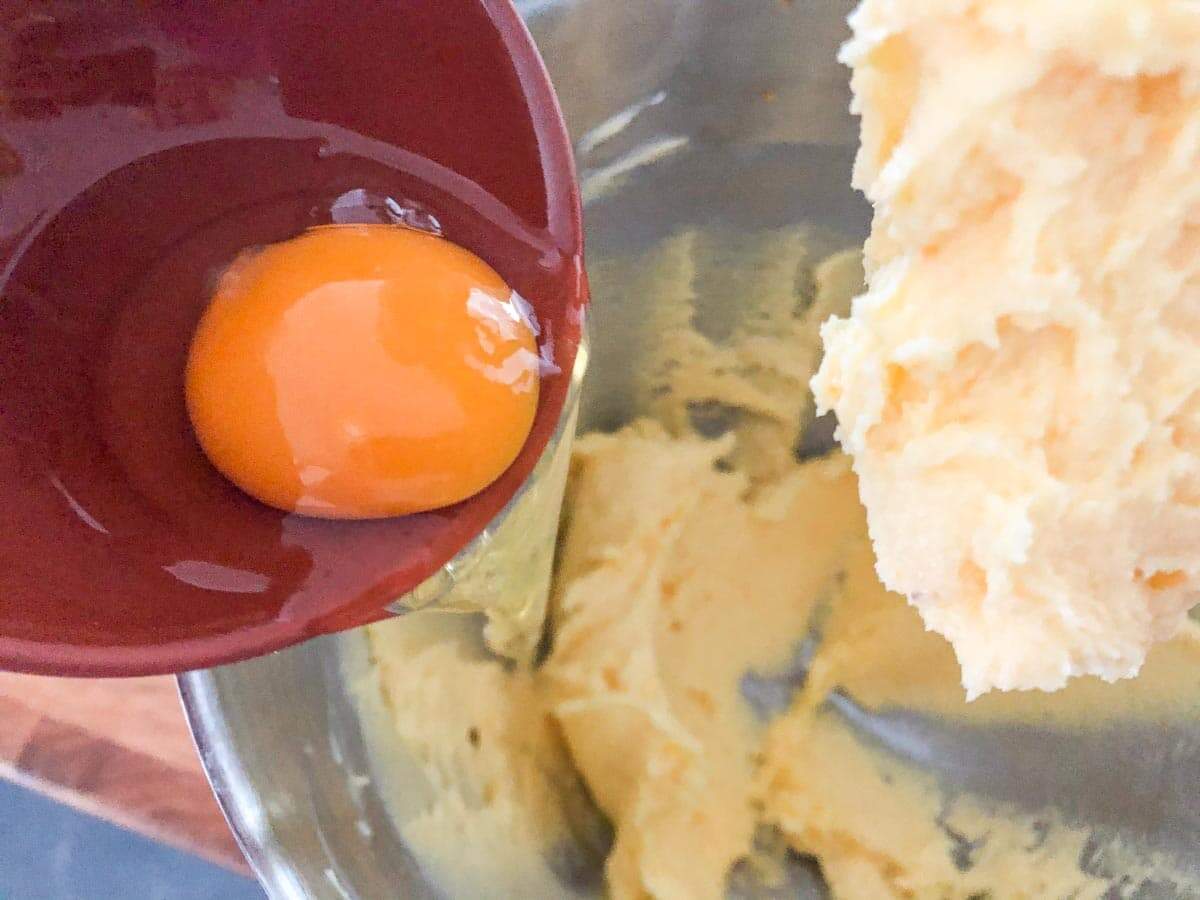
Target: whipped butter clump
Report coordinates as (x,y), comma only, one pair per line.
(1020,384)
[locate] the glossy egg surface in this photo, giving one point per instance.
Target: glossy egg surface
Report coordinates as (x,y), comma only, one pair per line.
(362,371)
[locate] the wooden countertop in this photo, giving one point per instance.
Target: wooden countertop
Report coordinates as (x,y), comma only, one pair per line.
(119,749)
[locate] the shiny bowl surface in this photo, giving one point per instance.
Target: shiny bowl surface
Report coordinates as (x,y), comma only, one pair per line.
(700,113)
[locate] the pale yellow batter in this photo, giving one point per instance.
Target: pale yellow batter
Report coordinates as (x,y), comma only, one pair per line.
(686,564)
(1020,385)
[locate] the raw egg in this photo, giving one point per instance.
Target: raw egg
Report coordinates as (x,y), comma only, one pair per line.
(363,371)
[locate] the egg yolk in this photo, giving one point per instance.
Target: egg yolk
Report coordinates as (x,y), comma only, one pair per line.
(360,372)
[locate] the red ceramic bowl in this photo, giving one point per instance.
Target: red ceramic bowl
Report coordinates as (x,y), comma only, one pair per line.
(143,145)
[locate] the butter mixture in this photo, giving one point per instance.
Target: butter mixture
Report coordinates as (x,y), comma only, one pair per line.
(1020,385)
(715,711)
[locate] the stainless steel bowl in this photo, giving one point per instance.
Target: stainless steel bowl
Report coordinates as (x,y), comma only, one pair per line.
(730,115)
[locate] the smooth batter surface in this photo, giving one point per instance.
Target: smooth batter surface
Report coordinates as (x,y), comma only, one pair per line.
(1020,385)
(717,631)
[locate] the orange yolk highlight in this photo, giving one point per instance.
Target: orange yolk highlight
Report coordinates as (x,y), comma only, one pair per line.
(362,371)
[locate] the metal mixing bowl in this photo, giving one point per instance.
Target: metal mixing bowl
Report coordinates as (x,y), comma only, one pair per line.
(728,115)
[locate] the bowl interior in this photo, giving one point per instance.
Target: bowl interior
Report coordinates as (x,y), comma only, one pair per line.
(676,124)
(686,118)
(144,146)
